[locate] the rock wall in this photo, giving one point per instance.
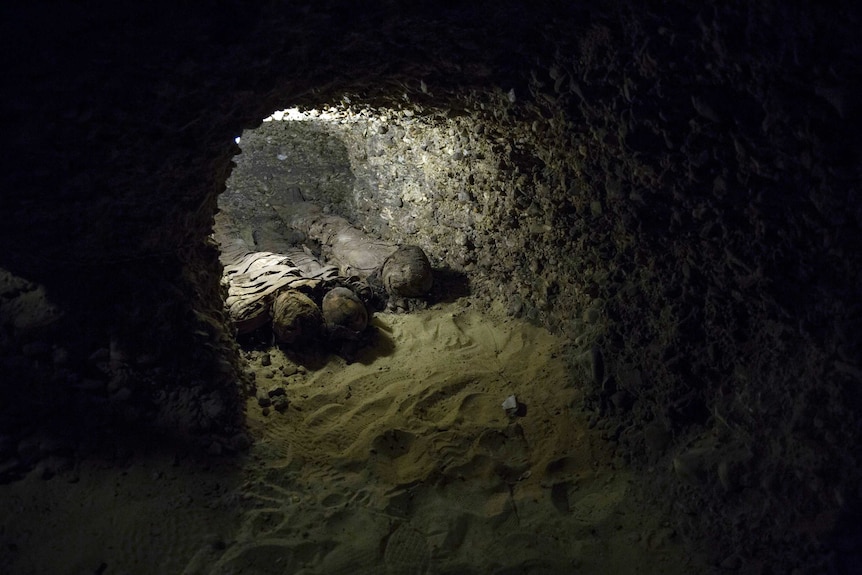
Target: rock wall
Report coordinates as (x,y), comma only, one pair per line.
(676,188)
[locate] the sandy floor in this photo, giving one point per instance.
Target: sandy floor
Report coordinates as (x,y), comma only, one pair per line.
(402,462)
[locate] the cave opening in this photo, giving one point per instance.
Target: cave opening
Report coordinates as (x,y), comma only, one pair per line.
(455,411)
(377,208)
(387,201)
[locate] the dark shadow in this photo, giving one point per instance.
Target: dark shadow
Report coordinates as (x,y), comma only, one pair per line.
(377,343)
(260,339)
(57,426)
(313,357)
(845,541)
(449,286)
(373,344)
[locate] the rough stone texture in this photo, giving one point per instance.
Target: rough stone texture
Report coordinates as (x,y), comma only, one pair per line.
(677,188)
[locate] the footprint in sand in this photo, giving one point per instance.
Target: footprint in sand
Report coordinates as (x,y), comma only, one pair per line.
(509,451)
(261,522)
(406,550)
(334,500)
(392,443)
(433,404)
(270,557)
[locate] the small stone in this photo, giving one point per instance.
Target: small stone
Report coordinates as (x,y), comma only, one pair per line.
(510,405)
(276,391)
(264,401)
(265,359)
(516,306)
(280,404)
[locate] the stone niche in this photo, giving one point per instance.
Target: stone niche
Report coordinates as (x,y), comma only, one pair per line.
(428,180)
(414,174)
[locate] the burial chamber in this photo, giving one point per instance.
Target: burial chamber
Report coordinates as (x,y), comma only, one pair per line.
(676,189)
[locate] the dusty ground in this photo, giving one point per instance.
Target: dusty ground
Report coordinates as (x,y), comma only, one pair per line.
(401,462)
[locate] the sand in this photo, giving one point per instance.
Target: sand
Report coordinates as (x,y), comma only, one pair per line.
(403,461)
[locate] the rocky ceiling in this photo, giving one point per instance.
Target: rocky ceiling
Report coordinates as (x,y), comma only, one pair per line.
(678,185)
